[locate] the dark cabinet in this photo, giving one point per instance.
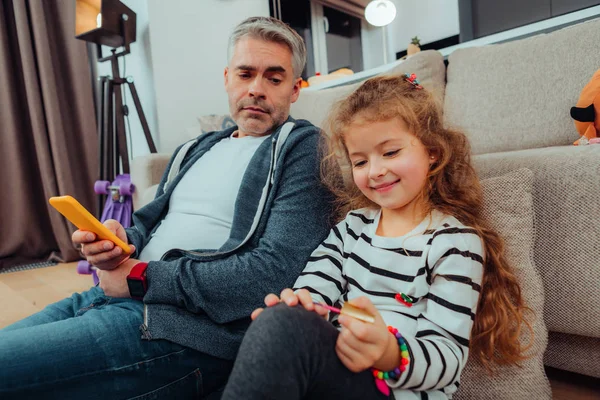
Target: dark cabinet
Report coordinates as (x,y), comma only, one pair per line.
(492,16)
(485,17)
(566,6)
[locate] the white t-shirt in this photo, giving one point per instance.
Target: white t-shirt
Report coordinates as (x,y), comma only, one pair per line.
(202,204)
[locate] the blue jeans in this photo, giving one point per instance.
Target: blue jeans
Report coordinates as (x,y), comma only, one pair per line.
(89,346)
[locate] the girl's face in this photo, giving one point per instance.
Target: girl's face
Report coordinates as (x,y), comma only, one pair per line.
(389,164)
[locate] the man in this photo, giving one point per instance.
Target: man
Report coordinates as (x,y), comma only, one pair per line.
(251,192)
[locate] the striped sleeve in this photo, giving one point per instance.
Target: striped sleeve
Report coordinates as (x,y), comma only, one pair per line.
(323,276)
(440,348)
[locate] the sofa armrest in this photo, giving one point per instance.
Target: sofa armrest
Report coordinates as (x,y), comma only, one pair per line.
(146,172)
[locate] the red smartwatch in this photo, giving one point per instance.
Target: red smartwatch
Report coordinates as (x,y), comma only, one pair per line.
(136,280)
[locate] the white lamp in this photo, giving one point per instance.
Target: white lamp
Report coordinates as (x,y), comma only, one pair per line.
(381,13)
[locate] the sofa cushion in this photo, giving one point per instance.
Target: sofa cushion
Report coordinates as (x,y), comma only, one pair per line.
(573,353)
(214,122)
(508,208)
(427,65)
(314,106)
(517,95)
(566,200)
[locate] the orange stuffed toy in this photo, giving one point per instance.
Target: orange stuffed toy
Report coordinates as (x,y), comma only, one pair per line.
(587,112)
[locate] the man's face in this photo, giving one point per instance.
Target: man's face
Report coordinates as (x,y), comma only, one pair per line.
(260,85)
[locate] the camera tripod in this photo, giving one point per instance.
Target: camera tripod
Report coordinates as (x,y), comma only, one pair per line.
(113,151)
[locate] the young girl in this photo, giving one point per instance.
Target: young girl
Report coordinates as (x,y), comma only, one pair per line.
(415,254)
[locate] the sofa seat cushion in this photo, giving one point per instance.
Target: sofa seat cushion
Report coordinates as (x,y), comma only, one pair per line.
(517,95)
(508,208)
(573,353)
(566,200)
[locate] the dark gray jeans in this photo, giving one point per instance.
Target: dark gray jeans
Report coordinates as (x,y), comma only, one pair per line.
(289,353)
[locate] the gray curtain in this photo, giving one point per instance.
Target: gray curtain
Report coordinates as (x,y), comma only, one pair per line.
(48,143)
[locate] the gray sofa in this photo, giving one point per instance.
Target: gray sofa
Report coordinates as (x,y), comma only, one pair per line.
(513,101)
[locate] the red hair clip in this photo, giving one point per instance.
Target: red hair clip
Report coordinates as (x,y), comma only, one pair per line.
(412,79)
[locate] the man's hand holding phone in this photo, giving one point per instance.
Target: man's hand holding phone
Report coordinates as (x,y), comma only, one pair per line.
(103,254)
(104,245)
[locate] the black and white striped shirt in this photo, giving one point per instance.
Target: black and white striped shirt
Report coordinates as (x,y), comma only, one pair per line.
(439,264)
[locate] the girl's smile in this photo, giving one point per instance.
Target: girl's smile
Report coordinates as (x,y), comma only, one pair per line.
(385,187)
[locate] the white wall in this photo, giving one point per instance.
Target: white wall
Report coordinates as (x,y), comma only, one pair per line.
(189,53)
(372,46)
(430,20)
(139,67)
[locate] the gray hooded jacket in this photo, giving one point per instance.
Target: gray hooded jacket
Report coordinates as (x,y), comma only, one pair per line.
(203,298)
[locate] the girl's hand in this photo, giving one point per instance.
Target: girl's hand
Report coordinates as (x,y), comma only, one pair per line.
(291,299)
(362,345)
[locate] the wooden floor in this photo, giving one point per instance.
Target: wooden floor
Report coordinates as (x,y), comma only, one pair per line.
(26,292)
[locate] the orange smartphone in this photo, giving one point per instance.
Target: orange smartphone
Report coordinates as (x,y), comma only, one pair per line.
(84,220)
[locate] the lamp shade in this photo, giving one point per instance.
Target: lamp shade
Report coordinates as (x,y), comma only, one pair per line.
(380,12)
(101,22)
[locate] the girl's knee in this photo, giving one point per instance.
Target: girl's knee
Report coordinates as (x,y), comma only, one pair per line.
(279,313)
(285,318)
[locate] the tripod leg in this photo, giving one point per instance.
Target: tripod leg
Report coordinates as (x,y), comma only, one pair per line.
(110,134)
(120,124)
(100,104)
(142,116)
(106,142)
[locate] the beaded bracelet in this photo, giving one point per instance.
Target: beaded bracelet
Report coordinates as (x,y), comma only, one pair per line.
(381,376)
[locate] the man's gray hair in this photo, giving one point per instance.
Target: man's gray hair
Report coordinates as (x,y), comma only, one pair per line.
(271,30)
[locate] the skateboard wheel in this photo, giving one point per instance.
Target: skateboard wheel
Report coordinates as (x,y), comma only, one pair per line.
(84,268)
(101,187)
(126,188)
